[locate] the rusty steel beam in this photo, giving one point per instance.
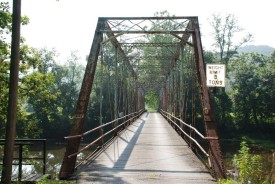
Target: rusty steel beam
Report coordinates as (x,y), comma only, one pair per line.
(159,44)
(148,44)
(144,32)
(152,57)
(183,41)
(217,166)
(117,45)
(68,164)
(151,18)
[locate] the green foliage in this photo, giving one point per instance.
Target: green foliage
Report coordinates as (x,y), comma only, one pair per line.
(28,62)
(247,102)
(252,80)
(249,167)
(48,181)
(5,26)
(227,181)
(223,107)
(151,100)
(41,84)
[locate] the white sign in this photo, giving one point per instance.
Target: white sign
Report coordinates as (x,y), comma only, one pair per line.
(215,75)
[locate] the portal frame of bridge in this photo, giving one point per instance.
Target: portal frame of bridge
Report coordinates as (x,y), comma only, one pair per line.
(186,31)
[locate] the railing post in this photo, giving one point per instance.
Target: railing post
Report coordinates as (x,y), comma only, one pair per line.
(21,157)
(44,156)
(20,161)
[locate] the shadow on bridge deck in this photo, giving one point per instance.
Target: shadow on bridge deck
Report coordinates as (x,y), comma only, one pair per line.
(148,151)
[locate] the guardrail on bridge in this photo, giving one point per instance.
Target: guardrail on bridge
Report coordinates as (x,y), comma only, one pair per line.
(21,144)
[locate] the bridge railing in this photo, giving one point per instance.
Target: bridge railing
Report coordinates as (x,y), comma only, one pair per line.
(172,119)
(23,160)
(124,122)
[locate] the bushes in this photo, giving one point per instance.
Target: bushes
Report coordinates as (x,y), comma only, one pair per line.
(249,167)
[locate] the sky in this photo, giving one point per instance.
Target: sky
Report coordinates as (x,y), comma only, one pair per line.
(69,25)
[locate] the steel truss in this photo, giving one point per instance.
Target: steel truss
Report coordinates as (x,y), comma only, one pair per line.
(129,35)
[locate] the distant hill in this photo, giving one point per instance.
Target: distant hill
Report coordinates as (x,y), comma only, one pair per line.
(261,49)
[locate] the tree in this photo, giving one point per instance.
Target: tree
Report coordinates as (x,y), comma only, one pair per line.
(5,32)
(36,87)
(252,81)
(225,30)
(5,28)
(51,104)
(151,100)
(47,91)
(37,92)
(68,79)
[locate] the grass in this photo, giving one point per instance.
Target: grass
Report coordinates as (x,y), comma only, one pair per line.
(48,181)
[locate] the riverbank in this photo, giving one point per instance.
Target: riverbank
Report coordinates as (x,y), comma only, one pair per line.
(263,147)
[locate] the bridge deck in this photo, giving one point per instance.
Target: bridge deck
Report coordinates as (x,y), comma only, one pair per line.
(148,151)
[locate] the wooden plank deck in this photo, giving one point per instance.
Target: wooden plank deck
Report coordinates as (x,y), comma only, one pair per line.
(148,151)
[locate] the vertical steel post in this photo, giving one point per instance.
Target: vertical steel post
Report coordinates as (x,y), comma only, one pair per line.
(133,97)
(136,95)
(68,163)
(173,89)
(166,96)
(124,92)
(13,94)
(217,167)
(182,91)
(193,103)
(101,95)
(137,99)
(116,92)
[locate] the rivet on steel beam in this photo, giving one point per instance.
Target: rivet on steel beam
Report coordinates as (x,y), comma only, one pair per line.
(206,111)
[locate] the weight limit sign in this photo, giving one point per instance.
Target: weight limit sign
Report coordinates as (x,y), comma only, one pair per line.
(215,75)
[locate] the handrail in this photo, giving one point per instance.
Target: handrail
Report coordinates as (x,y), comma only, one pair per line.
(21,143)
(99,127)
(191,138)
(138,113)
(202,136)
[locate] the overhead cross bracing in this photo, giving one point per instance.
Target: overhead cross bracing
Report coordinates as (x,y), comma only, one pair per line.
(163,37)
(163,54)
